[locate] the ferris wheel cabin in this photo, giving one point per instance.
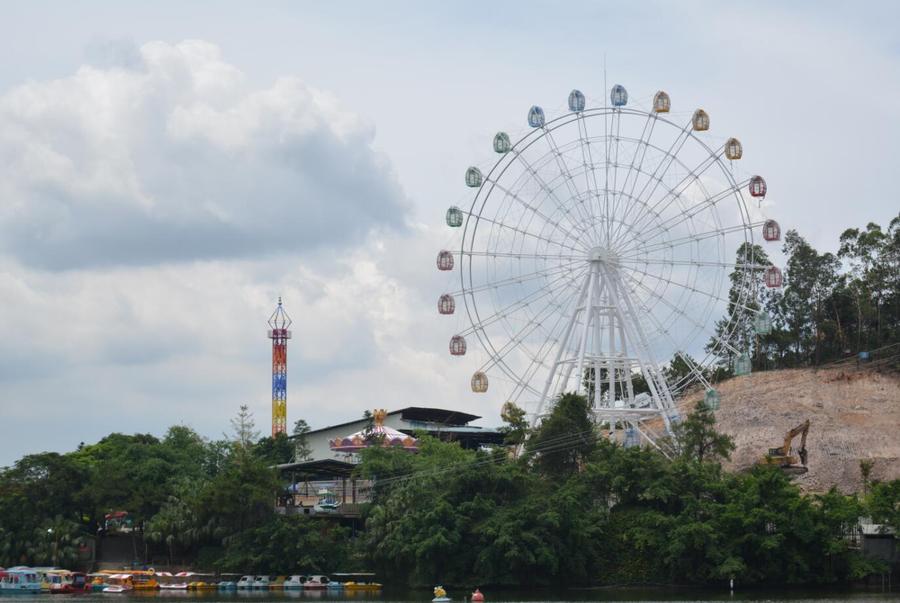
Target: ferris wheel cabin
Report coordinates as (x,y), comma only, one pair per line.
(444,260)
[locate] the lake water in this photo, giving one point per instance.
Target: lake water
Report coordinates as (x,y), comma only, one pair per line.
(500,596)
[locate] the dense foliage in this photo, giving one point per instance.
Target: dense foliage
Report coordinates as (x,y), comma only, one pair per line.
(832,305)
(570,508)
(190,497)
(582,510)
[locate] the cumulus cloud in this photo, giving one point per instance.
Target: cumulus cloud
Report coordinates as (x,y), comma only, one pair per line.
(137,349)
(166,154)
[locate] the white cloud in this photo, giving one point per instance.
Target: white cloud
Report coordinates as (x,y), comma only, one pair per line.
(138,349)
(182,192)
(177,159)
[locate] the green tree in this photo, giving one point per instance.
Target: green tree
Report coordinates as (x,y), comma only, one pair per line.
(515,425)
(243,427)
(177,525)
(275,450)
(290,545)
(810,281)
(698,439)
(302,449)
(747,286)
(873,256)
(55,542)
(565,438)
(883,504)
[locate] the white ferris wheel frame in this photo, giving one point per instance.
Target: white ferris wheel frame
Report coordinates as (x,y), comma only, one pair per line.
(604,324)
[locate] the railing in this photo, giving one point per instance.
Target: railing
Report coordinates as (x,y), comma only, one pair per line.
(349,510)
(345,497)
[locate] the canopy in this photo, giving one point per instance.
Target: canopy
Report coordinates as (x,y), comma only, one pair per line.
(377,435)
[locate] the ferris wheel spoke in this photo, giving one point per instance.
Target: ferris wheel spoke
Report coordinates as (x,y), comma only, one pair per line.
(672,307)
(550,192)
(587,156)
(539,358)
(693,289)
(695,370)
(524,302)
(521,278)
(516,339)
(561,163)
(570,179)
(687,240)
(678,219)
(616,192)
(667,160)
(669,157)
(521,256)
(676,191)
(525,233)
(666,262)
(531,208)
(675,309)
(642,144)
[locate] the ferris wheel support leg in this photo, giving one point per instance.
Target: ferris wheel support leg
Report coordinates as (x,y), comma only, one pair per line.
(655,381)
(694,369)
(559,352)
(627,366)
(597,365)
(649,439)
(612,352)
(588,317)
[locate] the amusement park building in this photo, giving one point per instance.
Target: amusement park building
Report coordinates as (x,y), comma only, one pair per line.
(448,425)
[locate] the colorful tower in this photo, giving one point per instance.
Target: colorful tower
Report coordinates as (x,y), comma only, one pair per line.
(279,334)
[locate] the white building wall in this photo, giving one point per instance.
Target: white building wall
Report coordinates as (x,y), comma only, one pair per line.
(318,441)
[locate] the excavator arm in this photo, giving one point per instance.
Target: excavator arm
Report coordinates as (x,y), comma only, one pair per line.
(783,456)
(802,430)
(803,443)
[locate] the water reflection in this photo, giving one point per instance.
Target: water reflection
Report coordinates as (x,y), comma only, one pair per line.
(507,596)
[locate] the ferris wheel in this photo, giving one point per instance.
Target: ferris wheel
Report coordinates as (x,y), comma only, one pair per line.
(598,246)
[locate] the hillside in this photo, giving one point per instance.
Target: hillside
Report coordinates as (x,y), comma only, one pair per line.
(854,415)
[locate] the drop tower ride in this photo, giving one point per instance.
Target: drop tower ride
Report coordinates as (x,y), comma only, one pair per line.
(279,333)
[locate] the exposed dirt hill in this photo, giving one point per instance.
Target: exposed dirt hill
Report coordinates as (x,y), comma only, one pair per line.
(854,415)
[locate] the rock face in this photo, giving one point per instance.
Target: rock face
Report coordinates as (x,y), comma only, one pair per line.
(854,415)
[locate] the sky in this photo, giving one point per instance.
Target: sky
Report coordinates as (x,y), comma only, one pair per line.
(169,169)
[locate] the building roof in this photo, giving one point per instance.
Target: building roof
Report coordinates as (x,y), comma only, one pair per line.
(437,415)
(327,468)
(414,413)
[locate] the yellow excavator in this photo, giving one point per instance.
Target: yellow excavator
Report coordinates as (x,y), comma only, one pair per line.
(792,462)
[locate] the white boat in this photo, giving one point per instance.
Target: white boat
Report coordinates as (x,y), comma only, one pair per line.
(177,582)
(245,582)
(261,583)
(294,582)
(316,582)
(119,583)
(115,588)
(19,579)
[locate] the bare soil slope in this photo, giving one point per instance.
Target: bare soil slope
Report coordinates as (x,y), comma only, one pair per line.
(854,415)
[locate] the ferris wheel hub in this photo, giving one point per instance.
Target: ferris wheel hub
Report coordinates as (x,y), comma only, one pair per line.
(603,255)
